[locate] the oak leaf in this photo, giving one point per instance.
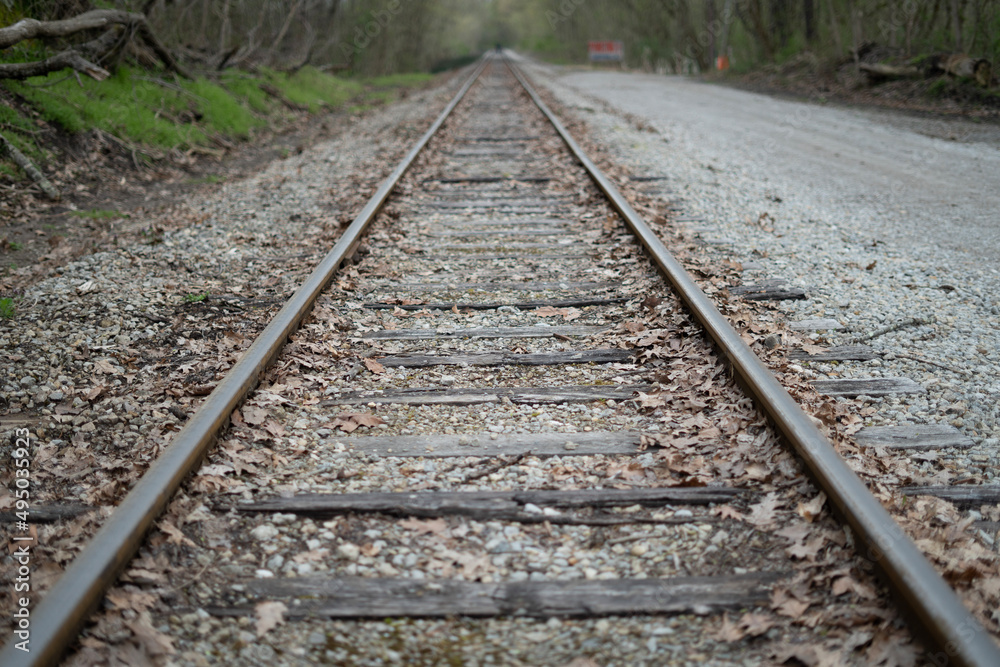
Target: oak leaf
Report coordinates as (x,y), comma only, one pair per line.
(812,509)
(269,615)
(374,366)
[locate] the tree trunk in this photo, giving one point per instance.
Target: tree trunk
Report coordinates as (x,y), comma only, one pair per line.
(956,23)
(809,17)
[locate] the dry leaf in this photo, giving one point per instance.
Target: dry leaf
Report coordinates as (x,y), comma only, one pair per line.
(435,526)
(650,400)
(348,422)
(374,366)
(728,632)
(848,584)
(754,625)
(104,366)
(808,550)
(155,642)
(254,416)
(786,605)
(175,536)
(812,509)
(728,512)
(763,513)
(269,615)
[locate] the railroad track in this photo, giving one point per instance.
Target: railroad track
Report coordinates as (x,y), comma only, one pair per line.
(501,408)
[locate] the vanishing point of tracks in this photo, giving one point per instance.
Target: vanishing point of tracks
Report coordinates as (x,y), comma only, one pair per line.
(498,363)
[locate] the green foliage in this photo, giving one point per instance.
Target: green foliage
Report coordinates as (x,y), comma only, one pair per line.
(8,308)
(195,298)
(312,88)
(246,88)
(14,245)
(939,87)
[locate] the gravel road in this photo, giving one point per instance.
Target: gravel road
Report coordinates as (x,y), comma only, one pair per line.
(882,217)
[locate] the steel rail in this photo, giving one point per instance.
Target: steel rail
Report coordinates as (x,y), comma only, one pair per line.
(57,619)
(940,618)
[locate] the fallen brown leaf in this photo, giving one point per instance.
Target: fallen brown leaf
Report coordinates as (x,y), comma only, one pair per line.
(269,615)
(812,509)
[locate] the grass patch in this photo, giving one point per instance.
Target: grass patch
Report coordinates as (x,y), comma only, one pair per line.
(157,111)
(8,308)
(98,214)
(312,88)
(141,108)
(195,298)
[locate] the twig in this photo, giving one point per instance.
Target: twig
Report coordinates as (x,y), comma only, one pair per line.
(30,169)
(489,470)
(909,322)
(921,360)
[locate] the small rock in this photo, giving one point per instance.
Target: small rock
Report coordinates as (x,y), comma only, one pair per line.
(348,551)
(264,532)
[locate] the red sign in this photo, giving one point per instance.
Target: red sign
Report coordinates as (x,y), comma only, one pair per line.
(606,51)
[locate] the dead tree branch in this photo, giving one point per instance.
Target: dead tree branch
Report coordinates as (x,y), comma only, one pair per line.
(76,57)
(24,163)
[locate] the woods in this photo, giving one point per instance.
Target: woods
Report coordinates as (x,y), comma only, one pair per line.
(680,36)
(854,43)
(383,36)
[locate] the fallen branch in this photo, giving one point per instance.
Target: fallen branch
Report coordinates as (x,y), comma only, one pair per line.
(113,20)
(909,322)
(24,163)
(921,360)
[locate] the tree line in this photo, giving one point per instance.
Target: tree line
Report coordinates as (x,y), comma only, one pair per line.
(684,35)
(384,36)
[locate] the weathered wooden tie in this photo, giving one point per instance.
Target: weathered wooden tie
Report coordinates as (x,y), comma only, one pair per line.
(867,387)
(357,597)
(838,353)
(540,395)
(520,506)
(607,443)
(919,436)
(523,305)
(485,332)
(599,356)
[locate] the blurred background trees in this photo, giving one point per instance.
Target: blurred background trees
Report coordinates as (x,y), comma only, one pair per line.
(385,36)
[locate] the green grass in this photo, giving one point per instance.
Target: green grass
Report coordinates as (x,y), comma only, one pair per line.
(14,246)
(195,298)
(158,111)
(98,214)
(8,308)
(312,88)
(21,132)
(143,109)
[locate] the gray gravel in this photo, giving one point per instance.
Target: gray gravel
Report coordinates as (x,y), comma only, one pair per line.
(875,214)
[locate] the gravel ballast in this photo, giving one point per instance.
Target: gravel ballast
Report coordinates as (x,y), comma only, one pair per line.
(885,224)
